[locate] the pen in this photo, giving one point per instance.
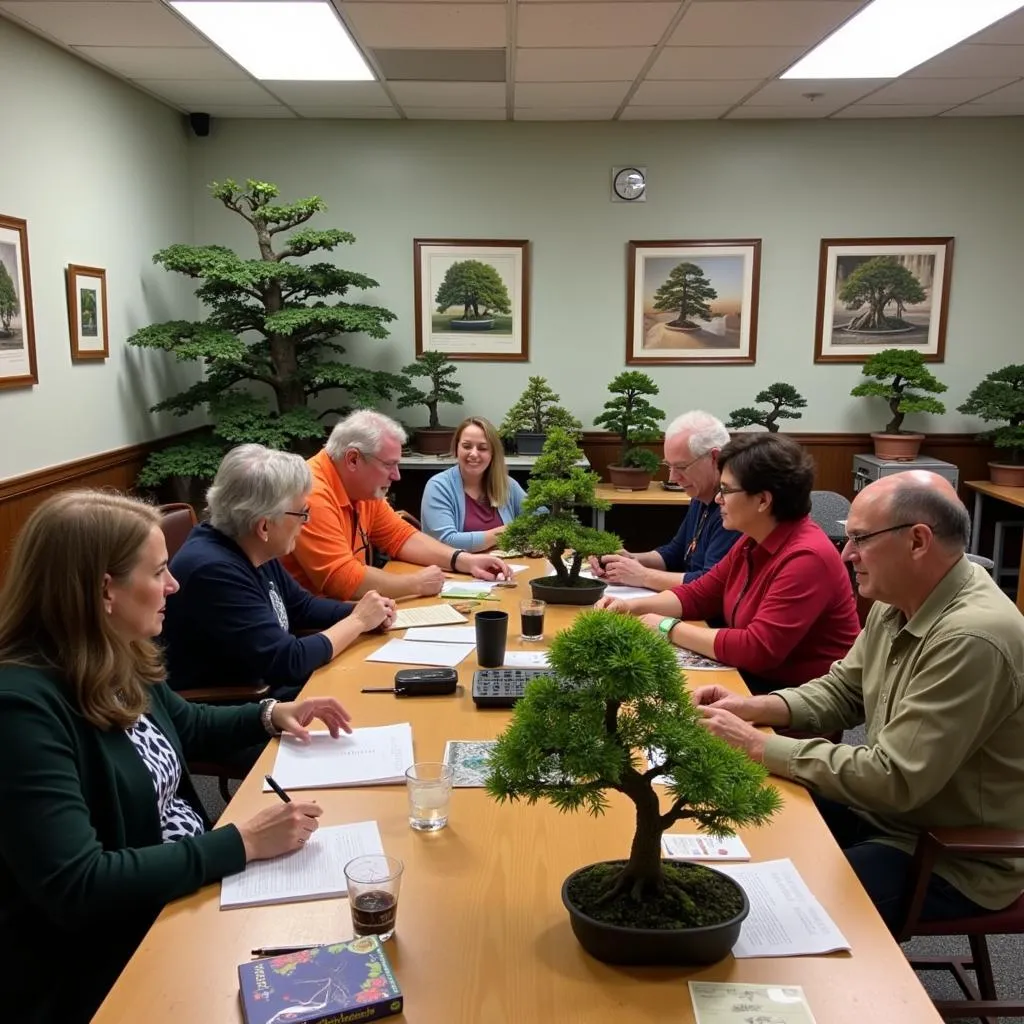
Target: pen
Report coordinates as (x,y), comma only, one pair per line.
(279,950)
(283,795)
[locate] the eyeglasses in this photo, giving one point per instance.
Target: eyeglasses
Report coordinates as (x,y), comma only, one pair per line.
(722,490)
(672,467)
(858,540)
(303,515)
(389,466)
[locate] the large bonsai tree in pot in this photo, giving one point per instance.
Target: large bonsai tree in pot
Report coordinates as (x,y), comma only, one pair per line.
(268,334)
(783,398)
(635,420)
(434,439)
(1000,396)
(615,694)
(533,414)
(548,522)
(901,378)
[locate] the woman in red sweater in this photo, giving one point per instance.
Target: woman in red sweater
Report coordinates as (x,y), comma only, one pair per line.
(782,592)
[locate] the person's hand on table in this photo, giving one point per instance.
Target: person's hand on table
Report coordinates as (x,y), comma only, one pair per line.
(715,696)
(374,610)
(737,733)
(652,620)
(428,581)
(625,571)
(485,567)
(613,604)
(283,828)
(293,716)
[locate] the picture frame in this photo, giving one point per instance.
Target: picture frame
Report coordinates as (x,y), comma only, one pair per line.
(87,312)
(17,324)
(493,324)
(692,301)
(900,302)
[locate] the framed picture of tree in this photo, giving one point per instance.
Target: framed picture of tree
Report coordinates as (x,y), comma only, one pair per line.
(87,312)
(17,328)
(876,293)
(693,302)
(472,298)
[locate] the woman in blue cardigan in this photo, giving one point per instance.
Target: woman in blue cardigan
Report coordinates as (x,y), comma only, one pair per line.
(469,505)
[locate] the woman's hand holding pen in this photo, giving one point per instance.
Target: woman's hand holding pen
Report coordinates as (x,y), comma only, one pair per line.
(283,828)
(293,716)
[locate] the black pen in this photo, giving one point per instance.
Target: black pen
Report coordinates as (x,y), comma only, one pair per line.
(279,950)
(281,793)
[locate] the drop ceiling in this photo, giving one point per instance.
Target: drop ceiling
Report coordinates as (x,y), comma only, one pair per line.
(535,60)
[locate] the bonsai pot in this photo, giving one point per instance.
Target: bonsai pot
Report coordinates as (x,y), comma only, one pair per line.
(1007,474)
(434,442)
(621,944)
(529,443)
(897,447)
(628,478)
(584,591)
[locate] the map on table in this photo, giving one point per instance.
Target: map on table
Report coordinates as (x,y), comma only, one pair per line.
(693,662)
(469,759)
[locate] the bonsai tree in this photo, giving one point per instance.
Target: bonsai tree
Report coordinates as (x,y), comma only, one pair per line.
(688,290)
(633,418)
(439,369)
(614,695)
(477,287)
(782,397)
(902,379)
(877,283)
(548,522)
(269,323)
(1000,396)
(537,410)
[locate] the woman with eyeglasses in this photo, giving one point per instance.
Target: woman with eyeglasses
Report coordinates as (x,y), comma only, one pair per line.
(783,591)
(469,505)
(234,620)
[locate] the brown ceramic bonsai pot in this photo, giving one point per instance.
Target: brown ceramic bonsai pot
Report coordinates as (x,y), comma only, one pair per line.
(897,447)
(1006,474)
(628,478)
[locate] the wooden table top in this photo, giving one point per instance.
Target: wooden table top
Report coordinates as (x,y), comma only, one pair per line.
(481,934)
(1013,495)
(654,495)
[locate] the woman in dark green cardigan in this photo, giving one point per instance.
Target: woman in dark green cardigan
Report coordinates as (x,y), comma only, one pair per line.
(101,825)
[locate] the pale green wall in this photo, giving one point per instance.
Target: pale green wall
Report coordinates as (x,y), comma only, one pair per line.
(789,183)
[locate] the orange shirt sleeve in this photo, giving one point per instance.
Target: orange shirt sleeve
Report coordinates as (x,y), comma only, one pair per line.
(386,529)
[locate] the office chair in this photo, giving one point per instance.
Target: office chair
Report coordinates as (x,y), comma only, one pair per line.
(827,508)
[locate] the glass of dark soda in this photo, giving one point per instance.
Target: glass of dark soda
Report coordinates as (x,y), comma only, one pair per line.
(531,612)
(373,883)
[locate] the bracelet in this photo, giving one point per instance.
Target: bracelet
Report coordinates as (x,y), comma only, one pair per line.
(667,625)
(455,558)
(266,716)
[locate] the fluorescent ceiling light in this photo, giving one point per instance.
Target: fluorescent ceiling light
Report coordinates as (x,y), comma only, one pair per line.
(889,37)
(294,41)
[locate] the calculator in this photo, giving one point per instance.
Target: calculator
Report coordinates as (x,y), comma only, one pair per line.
(502,687)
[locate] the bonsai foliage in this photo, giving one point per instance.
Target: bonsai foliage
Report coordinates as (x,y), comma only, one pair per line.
(271,322)
(8,298)
(537,410)
(548,522)
(477,287)
(1000,396)
(615,693)
(783,399)
(878,283)
(902,379)
(687,289)
(439,369)
(633,418)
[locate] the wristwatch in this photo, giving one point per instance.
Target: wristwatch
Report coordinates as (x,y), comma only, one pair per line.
(667,625)
(266,716)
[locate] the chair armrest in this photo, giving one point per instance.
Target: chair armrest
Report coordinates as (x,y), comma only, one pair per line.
(224,694)
(978,841)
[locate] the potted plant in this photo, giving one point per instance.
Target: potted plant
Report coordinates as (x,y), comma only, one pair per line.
(533,414)
(902,379)
(613,699)
(783,398)
(434,439)
(549,524)
(635,420)
(1000,396)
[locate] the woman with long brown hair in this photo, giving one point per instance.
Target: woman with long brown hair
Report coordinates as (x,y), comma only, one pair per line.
(102,826)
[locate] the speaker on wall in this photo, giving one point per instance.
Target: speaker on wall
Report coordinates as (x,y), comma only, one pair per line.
(200,124)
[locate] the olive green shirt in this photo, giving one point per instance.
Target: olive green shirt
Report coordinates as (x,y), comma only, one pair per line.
(942,698)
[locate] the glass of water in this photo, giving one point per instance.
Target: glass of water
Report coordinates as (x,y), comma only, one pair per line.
(429,785)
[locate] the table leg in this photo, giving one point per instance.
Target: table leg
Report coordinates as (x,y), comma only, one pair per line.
(976,524)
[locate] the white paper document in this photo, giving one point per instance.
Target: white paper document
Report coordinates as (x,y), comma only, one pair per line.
(526,659)
(700,846)
(442,634)
(785,919)
(315,872)
(412,652)
(516,567)
(464,588)
(716,1002)
(431,615)
(378,754)
(627,593)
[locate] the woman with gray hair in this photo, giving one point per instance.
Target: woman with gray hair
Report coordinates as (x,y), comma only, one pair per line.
(231,622)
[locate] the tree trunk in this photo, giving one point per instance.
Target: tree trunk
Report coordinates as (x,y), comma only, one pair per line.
(554,554)
(433,423)
(893,426)
(642,873)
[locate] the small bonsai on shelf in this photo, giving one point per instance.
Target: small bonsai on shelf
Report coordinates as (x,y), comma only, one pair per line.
(536,411)
(614,696)
(1000,396)
(634,419)
(783,398)
(902,379)
(433,439)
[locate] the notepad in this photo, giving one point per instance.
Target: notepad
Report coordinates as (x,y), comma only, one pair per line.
(370,756)
(316,872)
(431,615)
(442,634)
(411,652)
(700,846)
(466,588)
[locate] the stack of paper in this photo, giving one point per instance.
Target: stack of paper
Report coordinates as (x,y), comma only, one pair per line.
(704,847)
(431,615)
(412,652)
(442,634)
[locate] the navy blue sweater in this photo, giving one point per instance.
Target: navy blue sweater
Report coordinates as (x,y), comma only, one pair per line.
(230,623)
(713,541)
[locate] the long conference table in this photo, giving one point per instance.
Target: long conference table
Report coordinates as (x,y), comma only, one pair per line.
(482,936)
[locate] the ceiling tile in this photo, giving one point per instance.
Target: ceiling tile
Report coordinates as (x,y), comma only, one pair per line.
(203,95)
(695,94)
(642,113)
(455,113)
(449,94)
(893,110)
(987,110)
(228,110)
(330,94)
(570,94)
(761,22)
(422,25)
(1011,94)
(831,94)
(723,61)
(168,62)
(779,113)
(407,65)
(1009,31)
(937,90)
(316,112)
(637,23)
(105,24)
(580,65)
(565,113)
(968,61)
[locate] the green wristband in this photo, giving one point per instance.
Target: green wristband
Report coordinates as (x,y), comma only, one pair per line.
(668,624)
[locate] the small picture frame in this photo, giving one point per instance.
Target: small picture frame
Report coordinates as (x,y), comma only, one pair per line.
(17,327)
(87,312)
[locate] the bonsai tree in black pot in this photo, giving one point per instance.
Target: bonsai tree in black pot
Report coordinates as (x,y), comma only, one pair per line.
(434,439)
(533,414)
(1000,396)
(613,698)
(783,398)
(549,524)
(635,420)
(901,378)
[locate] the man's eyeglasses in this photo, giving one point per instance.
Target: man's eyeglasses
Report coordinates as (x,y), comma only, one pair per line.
(724,489)
(858,540)
(303,515)
(389,466)
(672,467)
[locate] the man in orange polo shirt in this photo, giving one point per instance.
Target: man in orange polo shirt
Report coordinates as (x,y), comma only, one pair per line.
(348,513)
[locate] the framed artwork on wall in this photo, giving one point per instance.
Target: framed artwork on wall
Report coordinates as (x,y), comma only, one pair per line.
(87,312)
(693,302)
(876,293)
(472,298)
(17,327)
